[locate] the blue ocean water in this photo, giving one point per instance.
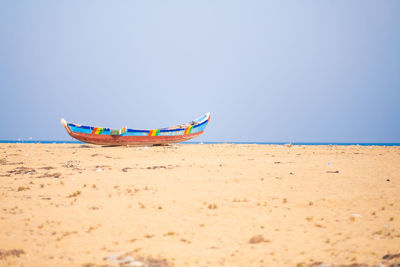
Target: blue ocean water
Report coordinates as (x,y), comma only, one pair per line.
(228,142)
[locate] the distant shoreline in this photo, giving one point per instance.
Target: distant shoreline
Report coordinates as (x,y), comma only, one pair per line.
(208,143)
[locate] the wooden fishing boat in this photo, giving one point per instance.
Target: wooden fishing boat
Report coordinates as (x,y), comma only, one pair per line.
(133,137)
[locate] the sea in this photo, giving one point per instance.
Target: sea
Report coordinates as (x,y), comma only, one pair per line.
(226,142)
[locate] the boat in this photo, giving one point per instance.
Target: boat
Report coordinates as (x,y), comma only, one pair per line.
(134,137)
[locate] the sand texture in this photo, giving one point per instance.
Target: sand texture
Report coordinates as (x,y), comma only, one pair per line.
(199,205)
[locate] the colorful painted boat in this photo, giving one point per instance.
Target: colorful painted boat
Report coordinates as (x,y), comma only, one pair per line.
(133,137)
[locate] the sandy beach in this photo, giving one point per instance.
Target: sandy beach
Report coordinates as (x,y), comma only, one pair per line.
(199,205)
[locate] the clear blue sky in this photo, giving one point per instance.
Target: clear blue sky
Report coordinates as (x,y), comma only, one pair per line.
(305,71)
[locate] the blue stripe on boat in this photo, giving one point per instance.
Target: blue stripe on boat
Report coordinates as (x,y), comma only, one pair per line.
(132,132)
(80,129)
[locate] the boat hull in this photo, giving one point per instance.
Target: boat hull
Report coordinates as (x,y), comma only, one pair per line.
(110,140)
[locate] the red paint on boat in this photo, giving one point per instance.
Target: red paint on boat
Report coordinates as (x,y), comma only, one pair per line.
(117,140)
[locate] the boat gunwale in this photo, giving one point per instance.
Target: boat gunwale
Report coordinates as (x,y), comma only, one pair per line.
(163,130)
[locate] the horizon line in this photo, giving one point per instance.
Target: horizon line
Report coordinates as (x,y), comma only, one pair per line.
(217,142)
